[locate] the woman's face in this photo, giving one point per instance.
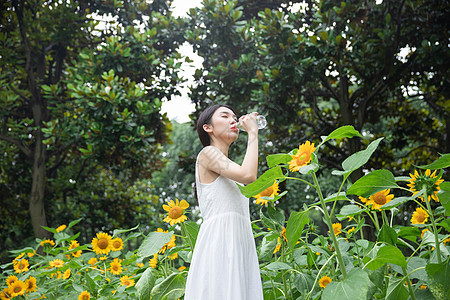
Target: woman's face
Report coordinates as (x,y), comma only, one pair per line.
(223,125)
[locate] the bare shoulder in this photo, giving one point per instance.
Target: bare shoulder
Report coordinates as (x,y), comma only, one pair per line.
(210,153)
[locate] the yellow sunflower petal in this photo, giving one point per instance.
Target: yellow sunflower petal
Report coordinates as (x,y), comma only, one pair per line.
(184,204)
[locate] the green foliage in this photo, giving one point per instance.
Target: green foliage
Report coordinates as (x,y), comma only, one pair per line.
(81,101)
(295,258)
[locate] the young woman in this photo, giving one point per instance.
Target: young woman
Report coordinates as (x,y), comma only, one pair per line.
(224,263)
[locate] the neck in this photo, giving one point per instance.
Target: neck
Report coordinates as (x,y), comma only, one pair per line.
(221,145)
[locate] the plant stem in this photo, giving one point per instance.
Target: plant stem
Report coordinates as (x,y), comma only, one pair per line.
(411,291)
(302,180)
(283,259)
(375,220)
(433,222)
(330,226)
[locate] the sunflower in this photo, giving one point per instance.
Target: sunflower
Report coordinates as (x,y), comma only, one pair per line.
(337,228)
(47,241)
(324,281)
(56,274)
(140,265)
(125,280)
(423,232)
(11,279)
(303,156)
(278,246)
(351,230)
(167,245)
(182,268)
(21,266)
(31,254)
(102,244)
(175,210)
(66,274)
(60,228)
(84,296)
(420,216)
(379,199)
(429,181)
(116,266)
(56,263)
(74,244)
(153,261)
(117,244)
(17,288)
(271,191)
(5,294)
(173,256)
(283,234)
(31,284)
(92,261)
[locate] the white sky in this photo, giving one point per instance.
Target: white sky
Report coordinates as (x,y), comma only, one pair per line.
(178,108)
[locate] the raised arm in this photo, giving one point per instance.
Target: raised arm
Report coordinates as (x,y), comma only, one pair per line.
(212,159)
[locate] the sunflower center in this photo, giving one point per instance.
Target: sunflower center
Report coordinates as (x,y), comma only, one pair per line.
(420,218)
(267,192)
(175,212)
(115,267)
(102,243)
(17,289)
(303,158)
(85,297)
(379,198)
(116,244)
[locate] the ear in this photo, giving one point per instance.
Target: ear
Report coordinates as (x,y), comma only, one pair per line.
(207,127)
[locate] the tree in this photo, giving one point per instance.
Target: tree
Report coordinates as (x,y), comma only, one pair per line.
(331,63)
(75,96)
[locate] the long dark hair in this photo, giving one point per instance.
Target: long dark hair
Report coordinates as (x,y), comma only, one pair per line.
(205,118)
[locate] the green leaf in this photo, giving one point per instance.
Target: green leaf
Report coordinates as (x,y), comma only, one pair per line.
(387,254)
(295,225)
(414,264)
(153,243)
(74,222)
(441,163)
(373,182)
(354,286)
(359,158)
(387,235)
(396,290)
(192,229)
(276,215)
(444,196)
(263,182)
(438,275)
(396,202)
(277,266)
(267,246)
(303,282)
(349,210)
(119,231)
(347,131)
(145,284)
(277,159)
(171,288)
(49,229)
(92,286)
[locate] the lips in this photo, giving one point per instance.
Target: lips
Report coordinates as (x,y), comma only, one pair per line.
(234,128)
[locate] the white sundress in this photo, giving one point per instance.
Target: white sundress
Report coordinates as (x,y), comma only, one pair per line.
(224,263)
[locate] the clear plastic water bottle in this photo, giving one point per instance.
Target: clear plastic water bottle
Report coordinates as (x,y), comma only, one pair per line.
(260,120)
